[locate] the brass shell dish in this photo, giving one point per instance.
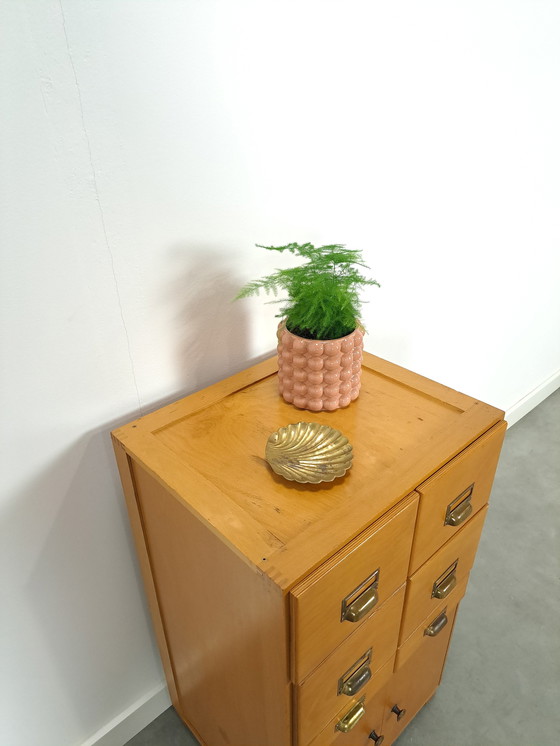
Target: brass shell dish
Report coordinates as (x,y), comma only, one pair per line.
(308,452)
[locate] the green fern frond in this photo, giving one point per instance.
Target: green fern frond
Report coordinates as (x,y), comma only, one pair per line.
(323,300)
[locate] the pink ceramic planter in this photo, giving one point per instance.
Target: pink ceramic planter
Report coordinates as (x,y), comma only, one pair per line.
(319,374)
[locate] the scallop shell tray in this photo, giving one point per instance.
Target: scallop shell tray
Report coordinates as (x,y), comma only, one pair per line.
(308,452)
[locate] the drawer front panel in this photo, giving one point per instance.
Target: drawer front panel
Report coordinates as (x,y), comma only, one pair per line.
(350,671)
(334,600)
(370,720)
(442,576)
(453,496)
(431,627)
(412,685)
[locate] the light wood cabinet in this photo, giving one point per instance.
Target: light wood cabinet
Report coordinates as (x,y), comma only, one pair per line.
(307,615)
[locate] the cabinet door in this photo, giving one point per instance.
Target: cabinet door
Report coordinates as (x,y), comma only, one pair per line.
(412,685)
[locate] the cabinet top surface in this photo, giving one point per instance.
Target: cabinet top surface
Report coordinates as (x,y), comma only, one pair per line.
(208,449)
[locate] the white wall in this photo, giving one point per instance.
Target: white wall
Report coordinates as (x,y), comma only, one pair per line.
(145,148)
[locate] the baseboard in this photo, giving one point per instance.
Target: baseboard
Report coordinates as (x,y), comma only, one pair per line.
(533,399)
(130,722)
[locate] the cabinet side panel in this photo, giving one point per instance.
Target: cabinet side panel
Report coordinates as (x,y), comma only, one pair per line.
(125,470)
(225,623)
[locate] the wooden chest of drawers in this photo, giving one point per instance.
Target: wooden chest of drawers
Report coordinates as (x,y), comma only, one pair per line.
(299,615)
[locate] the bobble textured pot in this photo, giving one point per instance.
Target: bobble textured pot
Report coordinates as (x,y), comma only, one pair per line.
(319,374)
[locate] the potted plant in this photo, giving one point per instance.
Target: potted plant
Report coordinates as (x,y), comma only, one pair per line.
(320,338)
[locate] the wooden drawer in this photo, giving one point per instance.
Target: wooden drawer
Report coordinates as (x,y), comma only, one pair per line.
(335,599)
(349,672)
(454,494)
(412,685)
(442,576)
(431,627)
(370,720)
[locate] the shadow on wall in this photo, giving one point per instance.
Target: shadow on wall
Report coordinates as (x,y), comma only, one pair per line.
(214,337)
(79,592)
(77,597)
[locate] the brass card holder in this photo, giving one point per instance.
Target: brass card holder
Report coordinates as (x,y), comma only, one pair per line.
(446,582)
(460,508)
(356,676)
(352,717)
(433,629)
(361,601)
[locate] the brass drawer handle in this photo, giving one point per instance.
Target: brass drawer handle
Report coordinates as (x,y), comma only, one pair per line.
(350,720)
(437,625)
(361,601)
(446,582)
(357,676)
(460,508)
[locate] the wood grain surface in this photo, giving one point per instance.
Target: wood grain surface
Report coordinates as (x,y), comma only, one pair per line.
(419,601)
(208,450)
(316,626)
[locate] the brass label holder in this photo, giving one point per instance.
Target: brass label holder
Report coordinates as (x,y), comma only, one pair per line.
(361,600)
(351,718)
(356,676)
(460,508)
(446,582)
(436,626)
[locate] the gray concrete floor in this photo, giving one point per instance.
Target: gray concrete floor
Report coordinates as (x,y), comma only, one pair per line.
(501,685)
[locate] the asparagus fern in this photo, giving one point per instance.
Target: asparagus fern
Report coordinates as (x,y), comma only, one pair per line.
(323,300)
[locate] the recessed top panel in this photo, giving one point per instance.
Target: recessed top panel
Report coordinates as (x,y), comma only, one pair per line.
(402,427)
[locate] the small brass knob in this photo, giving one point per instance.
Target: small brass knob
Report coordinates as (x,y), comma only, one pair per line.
(398,712)
(378,739)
